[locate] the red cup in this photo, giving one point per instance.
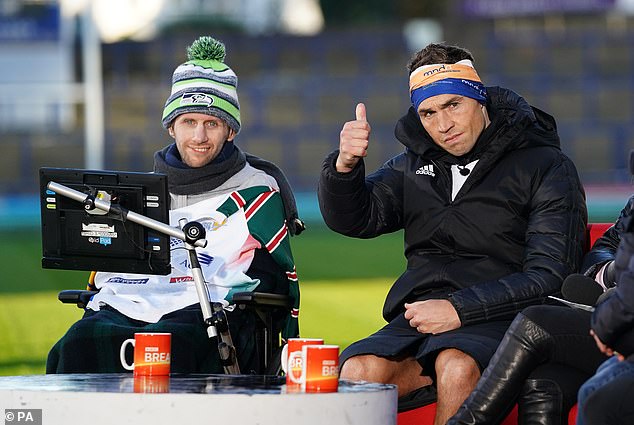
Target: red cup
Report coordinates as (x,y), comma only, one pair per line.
(152,353)
(151,384)
(320,372)
(294,367)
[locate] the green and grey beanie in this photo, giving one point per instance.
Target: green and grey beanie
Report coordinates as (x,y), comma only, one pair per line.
(204,84)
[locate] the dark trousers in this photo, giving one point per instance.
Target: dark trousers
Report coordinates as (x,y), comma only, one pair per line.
(608,397)
(574,357)
(570,331)
(91,345)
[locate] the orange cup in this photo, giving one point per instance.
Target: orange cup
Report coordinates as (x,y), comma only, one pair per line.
(151,384)
(320,373)
(294,367)
(152,352)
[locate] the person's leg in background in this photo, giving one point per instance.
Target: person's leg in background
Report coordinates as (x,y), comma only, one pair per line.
(608,397)
(612,403)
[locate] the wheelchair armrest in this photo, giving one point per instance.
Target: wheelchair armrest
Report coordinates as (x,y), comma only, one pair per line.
(262,299)
(78,297)
(266,305)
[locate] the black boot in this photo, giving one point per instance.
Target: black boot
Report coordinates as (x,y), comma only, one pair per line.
(540,403)
(548,394)
(524,346)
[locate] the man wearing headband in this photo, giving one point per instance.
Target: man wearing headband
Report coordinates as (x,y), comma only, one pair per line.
(493,215)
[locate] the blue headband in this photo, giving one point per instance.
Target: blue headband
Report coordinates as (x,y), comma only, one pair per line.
(473,89)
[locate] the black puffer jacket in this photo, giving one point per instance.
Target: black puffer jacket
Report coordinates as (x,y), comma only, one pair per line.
(604,249)
(512,234)
(613,319)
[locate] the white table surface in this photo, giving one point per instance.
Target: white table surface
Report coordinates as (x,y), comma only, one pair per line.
(96,399)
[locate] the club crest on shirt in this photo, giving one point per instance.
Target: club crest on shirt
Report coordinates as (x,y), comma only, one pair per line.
(210,224)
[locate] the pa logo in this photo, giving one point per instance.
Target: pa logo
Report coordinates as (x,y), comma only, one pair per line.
(18,416)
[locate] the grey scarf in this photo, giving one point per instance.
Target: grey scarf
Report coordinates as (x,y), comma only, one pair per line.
(184,180)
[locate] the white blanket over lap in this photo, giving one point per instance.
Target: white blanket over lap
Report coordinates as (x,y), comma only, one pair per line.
(224,261)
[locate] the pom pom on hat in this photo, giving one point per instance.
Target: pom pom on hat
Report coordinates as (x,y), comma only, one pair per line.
(204,84)
(206,48)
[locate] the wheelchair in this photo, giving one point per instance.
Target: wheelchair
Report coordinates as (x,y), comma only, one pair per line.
(266,307)
(109,198)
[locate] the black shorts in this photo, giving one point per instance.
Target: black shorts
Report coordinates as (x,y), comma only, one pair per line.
(398,339)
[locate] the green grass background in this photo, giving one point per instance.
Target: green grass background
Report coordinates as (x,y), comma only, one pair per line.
(343,282)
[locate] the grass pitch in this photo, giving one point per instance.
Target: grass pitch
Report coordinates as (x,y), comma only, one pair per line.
(341,294)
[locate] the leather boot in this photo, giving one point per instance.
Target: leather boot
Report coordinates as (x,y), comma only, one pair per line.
(548,394)
(540,403)
(524,346)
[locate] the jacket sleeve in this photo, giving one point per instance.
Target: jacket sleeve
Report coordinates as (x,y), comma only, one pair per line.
(361,207)
(604,249)
(554,241)
(613,319)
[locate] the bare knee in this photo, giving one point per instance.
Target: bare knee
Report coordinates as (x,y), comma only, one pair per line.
(456,370)
(457,375)
(406,373)
(365,368)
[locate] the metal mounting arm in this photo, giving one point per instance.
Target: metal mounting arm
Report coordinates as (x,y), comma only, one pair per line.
(193,234)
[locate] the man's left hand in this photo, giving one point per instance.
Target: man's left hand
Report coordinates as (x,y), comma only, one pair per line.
(432,316)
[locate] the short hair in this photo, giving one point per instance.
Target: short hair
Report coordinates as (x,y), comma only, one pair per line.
(438,53)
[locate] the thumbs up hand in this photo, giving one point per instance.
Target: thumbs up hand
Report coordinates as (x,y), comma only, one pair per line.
(353,141)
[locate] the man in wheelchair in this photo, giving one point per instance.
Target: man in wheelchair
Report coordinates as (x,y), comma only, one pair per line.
(248,210)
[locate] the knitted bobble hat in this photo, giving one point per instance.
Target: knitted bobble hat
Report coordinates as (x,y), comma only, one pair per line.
(204,84)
